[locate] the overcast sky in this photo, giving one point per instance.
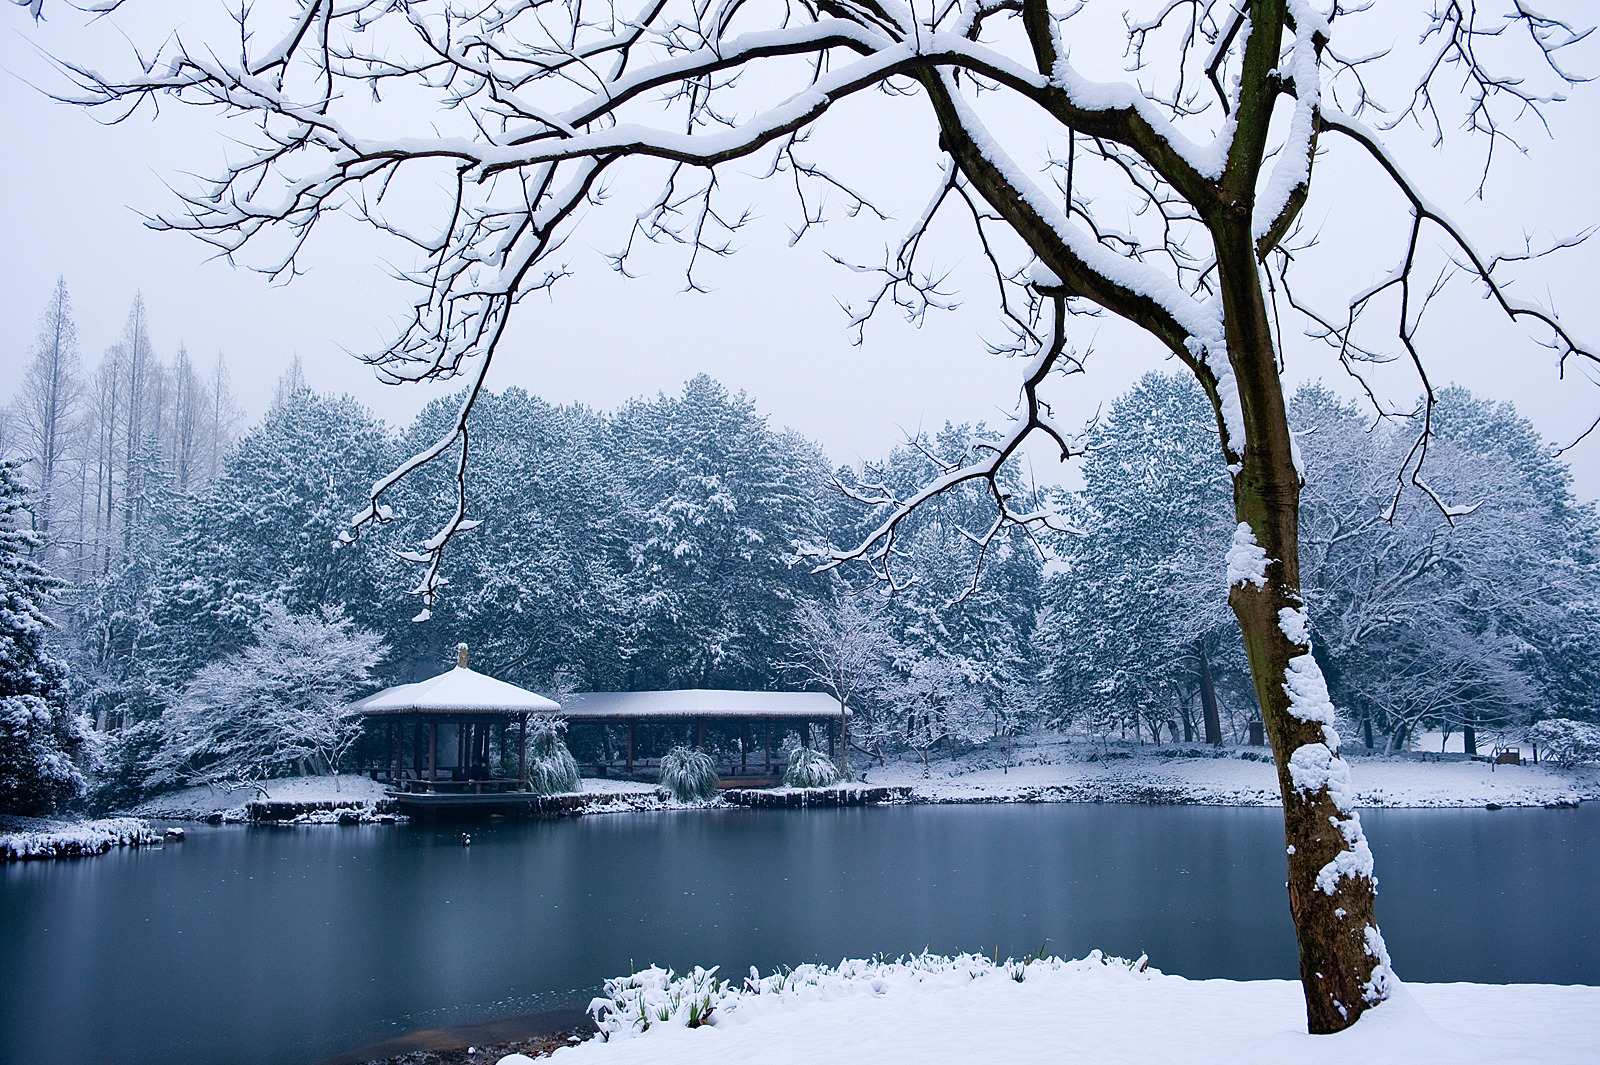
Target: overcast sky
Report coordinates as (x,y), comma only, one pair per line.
(71,191)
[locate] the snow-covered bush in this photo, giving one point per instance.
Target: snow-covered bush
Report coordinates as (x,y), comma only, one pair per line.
(631,1004)
(551,767)
(810,769)
(689,774)
(1566,742)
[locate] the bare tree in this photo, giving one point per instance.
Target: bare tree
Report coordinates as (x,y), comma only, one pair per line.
(185,421)
(843,647)
(1169,198)
(220,418)
(47,406)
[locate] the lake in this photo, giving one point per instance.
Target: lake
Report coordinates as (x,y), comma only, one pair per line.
(282,946)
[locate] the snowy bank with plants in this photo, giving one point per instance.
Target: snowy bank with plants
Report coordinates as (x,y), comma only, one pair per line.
(930,1010)
(25,838)
(1229,776)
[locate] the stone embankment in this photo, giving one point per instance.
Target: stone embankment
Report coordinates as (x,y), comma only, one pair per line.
(316,812)
(796,798)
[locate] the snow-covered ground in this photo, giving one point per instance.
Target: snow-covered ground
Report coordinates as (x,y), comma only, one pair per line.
(934,1010)
(22,838)
(193,804)
(1060,771)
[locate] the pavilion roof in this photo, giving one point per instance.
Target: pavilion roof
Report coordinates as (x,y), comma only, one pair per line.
(698,702)
(459,691)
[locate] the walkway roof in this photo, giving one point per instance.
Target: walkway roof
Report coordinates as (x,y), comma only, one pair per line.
(698,702)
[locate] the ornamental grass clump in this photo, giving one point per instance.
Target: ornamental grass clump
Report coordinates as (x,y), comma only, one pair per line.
(810,769)
(551,767)
(689,774)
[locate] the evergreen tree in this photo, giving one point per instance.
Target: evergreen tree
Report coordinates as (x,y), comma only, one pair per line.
(725,504)
(537,588)
(43,744)
(1138,616)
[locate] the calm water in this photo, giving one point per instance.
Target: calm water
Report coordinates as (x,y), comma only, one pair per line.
(282,945)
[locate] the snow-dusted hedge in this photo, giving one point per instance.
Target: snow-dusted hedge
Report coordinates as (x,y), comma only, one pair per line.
(631,1005)
(690,775)
(810,769)
(1566,742)
(52,840)
(551,767)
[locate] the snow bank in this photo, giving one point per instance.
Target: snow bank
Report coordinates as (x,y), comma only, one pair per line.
(932,1010)
(33,838)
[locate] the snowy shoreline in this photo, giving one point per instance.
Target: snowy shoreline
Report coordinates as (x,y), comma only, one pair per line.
(30,839)
(1188,774)
(1183,775)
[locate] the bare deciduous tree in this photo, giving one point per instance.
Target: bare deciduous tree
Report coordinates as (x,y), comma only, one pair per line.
(47,407)
(844,648)
(1168,198)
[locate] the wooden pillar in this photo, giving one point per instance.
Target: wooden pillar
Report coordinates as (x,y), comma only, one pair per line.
(805,734)
(433,751)
(744,743)
(700,733)
(767,747)
(522,753)
(394,769)
(416,748)
(630,748)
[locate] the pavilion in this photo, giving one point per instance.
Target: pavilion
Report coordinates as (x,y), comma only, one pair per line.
(452,720)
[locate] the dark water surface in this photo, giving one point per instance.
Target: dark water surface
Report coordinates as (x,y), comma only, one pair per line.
(281,946)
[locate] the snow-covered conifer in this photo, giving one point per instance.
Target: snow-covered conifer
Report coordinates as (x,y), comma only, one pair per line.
(43,743)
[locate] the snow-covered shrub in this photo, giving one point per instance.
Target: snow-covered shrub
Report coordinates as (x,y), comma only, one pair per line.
(810,769)
(1566,742)
(689,774)
(551,767)
(629,1005)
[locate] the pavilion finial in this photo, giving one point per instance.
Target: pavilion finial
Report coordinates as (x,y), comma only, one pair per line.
(461,656)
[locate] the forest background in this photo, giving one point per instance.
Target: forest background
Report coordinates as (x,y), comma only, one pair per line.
(200,608)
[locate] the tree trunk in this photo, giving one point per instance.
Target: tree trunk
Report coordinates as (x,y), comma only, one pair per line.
(1208,701)
(1344,966)
(844,742)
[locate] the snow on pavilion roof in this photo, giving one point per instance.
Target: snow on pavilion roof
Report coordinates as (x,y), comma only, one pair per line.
(698,702)
(461,690)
